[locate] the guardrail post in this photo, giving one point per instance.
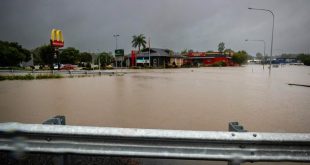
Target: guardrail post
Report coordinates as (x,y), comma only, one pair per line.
(235,127)
(57,120)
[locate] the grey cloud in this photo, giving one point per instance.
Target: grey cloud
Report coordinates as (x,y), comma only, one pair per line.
(176,24)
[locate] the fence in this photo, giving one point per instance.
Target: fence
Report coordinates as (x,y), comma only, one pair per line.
(235,147)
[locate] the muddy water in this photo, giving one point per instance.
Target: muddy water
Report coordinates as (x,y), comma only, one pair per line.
(187,99)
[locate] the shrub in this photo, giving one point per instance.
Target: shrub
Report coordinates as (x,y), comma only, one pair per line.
(29,77)
(48,76)
(304,58)
(219,64)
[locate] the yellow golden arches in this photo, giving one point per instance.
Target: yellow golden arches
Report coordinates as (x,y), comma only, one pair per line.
(53,34)
(56,35)
(57,39)
(59,35)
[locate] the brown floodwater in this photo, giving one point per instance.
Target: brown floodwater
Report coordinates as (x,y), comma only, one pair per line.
(187,99)
(184,99)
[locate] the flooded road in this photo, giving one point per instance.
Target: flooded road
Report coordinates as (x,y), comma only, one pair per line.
(187,99)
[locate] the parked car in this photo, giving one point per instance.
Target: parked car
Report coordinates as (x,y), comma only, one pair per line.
(55,66)
(109,67)
(68,67)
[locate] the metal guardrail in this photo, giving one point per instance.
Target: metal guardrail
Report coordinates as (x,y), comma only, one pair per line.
(130,142)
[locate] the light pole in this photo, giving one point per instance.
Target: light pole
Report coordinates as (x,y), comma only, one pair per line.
(149,52)
(98,59)
(271,33)
(264,49)
(115,36)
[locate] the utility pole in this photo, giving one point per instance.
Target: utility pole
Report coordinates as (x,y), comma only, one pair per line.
(271,33)
(149,52)
(115,36)
(98,59)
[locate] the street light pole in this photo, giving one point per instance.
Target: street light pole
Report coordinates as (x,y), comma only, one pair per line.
(98,60)
(150,52)
(271,33)
(264,50)
(115,36)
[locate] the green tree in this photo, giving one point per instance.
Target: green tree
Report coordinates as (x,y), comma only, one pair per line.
(47,54)
(304,58)
(70,55)
(12,54)
(229,51)
(138,41)
(184,51)
(36,56)
(171,52)
(105,59)
(259,55)
(240,57)
(86,57)
(43,55)
(221,47)
(249,57)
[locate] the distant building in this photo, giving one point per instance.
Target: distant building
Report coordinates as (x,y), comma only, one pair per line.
(286,59)
(163,58)
(283,60)
(156,58)
(207,58)
(255,61)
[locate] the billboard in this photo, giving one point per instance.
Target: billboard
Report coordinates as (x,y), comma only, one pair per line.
(119,52)
(57,39)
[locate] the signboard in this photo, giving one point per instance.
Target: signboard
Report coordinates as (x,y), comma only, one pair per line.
(197,54)
(142,61)
(119,52)
(57,39)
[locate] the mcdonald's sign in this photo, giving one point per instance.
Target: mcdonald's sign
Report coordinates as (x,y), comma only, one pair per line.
(57,39)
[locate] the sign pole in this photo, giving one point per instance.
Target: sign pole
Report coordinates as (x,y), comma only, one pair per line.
(57,41)
(149,52)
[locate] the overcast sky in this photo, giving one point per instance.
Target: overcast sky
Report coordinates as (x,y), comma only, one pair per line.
(200,25)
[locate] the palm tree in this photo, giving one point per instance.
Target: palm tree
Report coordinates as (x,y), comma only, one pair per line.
(138,41)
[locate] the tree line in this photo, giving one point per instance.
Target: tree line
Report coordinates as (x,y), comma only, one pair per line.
(44,55)
(12,54)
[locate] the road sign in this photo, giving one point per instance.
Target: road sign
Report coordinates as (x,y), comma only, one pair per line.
(119,52)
